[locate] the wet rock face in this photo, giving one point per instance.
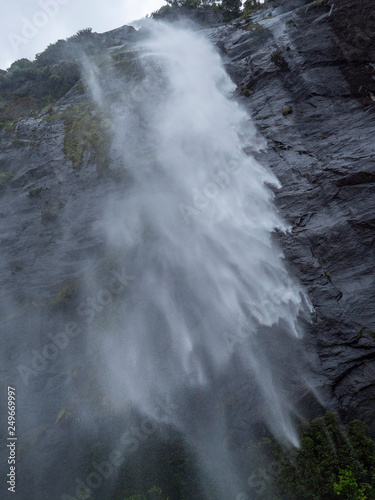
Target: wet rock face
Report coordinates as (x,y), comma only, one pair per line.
(298,85)
(354,25)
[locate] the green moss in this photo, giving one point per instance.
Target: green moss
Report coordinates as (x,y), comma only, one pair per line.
(266,117)
(64,418)
(33,193)
(282,146)
(9,126)
(48,108)
(80,87)
(85,131)
(245,91)
(48,216)
(17,267)
(278,59)
(251,27)
(65,295)
(362,331)
(129,66)
(287,111)
(50,117)
(23,143)
(5,177)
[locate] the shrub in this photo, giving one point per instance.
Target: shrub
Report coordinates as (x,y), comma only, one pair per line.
(42,82)
(287,111)
(348,487)
(278,59)
(203,11)
(231,9)
(332,460)
(250,6)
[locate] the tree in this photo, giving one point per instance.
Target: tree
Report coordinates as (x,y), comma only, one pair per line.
(202,11)
(348,486)
(226,9)
(251,5)
(231,9)
(20,64)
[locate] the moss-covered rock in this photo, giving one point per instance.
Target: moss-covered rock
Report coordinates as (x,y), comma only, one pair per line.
(65,295)
(4,178)
(86,131)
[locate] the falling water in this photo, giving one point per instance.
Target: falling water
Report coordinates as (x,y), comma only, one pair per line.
(209,299)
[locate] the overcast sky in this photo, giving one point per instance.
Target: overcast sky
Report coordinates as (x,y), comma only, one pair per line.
(29,26)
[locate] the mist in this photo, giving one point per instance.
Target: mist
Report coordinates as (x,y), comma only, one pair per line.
(211,301)
(169,309)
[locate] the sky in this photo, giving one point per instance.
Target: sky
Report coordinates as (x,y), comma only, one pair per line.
(27,27)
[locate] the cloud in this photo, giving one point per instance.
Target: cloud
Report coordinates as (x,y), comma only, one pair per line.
(30,26)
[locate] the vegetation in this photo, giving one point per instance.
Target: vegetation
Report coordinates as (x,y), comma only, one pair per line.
(34,193)
(319,3)
(231,9)
(65,295)
(363,330)
(48,216)
(348,486)
(224,10)
(278,59)
(17,267)
(160,468)
(154,493)
(86,131)
(4,178)
(250,6)
(244,89)
(332,460)
(27,87)
(287,111)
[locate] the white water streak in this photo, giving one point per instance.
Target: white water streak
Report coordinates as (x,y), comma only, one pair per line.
(195,227)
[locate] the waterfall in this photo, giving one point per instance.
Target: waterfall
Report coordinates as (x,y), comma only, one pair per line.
(210,304)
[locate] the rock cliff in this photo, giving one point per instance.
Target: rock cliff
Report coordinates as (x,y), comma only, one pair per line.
(305,72)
